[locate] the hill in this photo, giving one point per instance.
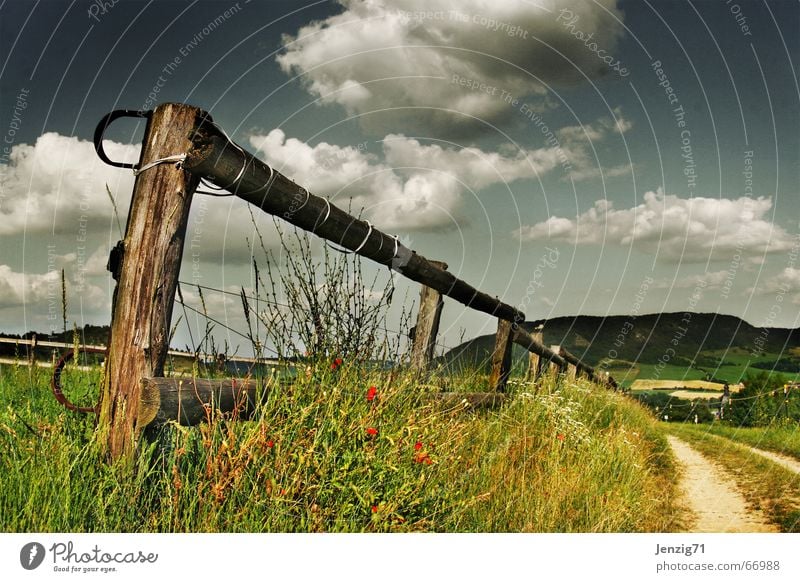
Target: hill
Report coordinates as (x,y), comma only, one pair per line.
(702,344)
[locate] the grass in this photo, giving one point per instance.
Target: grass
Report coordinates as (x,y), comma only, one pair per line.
(770,487)
(780,439)
(321,456)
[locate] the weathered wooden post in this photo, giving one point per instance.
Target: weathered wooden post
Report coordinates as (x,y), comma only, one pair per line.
(536,364)
(501,356)
(570,368)
(148,274)
(555,367)
(32,352)
(427,328)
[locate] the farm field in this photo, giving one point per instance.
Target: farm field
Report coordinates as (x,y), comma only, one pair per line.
(330,454)
(698,385)
(735,365)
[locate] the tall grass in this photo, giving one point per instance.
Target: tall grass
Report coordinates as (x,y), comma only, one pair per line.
(322,456)
(348,446)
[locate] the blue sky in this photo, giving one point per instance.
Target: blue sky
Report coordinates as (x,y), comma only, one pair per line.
(560,155)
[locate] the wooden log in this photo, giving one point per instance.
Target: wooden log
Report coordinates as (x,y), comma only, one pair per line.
(530,343)
(501,356)
(191,401)
(473,400)
(228,166)
(153,246)
(427,328)
(580,367)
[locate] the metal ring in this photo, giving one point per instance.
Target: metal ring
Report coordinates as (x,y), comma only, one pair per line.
(327,216)
(308,197)
(103,125)
(55,381)
(366,238)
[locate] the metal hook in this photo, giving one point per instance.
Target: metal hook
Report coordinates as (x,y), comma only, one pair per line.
(103,125)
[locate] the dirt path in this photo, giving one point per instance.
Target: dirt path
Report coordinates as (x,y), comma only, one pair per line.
(782,460)
(713,497)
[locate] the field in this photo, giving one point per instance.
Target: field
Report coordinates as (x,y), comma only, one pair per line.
(698,385)
(734,364)
(329,454)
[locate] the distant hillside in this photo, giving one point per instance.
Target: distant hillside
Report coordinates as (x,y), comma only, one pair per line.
(646,339)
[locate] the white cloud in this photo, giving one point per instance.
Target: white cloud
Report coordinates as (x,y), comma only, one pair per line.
(785,283)
(59,184)
(579,143)
(381,55)
(16,289)
(41,292)
(416,187)
(678,229)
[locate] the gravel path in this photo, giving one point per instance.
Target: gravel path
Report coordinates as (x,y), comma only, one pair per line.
(713,497)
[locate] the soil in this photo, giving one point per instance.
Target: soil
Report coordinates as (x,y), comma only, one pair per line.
(712,496)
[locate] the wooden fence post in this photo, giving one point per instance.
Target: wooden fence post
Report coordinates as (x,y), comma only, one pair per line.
(555,368)
(430,312)
(501,356)
(536,364)
(148,276)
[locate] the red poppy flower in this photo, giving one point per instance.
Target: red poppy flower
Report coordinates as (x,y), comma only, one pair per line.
(270,443)
(372,431)
(423,458)
(336,363)
(417,446)
(374,509)
(372,393)
(560,437)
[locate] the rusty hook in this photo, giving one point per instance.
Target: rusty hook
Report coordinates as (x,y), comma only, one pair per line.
(55,381)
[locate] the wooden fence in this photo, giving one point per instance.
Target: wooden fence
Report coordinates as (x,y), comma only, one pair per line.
(182,145)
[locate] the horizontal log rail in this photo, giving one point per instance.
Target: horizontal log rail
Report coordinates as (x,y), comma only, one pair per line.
(227,165)
(527,341)
(191,401)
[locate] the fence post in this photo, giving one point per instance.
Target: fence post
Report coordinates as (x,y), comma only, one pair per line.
(536,364)
(430,312)
(555,369)
(148,275)
(501,356)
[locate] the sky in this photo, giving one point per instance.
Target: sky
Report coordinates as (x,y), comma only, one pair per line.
(570,157)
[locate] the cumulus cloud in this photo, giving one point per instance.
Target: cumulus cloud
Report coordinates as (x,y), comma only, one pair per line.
(785,283)
(579,142)
(413,186)
(678,229)
(41,292)
(58,185)
(390,55)
(17,288)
